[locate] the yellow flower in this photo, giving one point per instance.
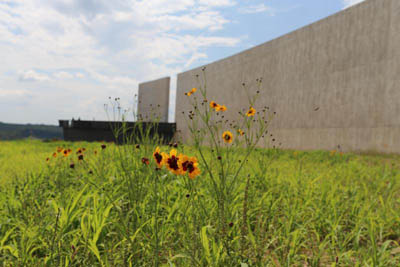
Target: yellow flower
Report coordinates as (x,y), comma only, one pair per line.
(189,166)
(333,152)
(171,162)
(213,104)
(228,137)
(158,157)
(240,132)
(191,92)
(220,108)
(66,152)
(251,112)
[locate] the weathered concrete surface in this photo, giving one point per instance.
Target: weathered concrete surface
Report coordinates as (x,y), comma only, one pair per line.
(334,82)
(154,100)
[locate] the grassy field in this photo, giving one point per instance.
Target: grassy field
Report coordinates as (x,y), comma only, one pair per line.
(114,208)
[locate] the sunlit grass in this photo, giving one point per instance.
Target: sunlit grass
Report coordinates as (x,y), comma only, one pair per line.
(313,208)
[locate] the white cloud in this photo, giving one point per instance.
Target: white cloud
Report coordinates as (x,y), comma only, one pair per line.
(63,75)
(33,76)
(13,93)
(80,52)
(79,75)
(258,9)
(348,3)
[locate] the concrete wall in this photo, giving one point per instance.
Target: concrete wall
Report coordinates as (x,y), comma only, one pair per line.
(154,100)
(333,83)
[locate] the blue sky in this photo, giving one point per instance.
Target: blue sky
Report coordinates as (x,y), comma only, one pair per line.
(64,58)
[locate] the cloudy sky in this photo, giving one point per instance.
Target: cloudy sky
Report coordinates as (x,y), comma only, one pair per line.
(64,58)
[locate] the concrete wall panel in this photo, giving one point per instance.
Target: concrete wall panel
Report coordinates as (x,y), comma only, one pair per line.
(347,65)
(154,100)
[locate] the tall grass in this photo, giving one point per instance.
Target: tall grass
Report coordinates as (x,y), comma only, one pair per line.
(303,208)
(220,201)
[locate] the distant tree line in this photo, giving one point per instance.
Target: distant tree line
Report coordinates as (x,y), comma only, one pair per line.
(10,131)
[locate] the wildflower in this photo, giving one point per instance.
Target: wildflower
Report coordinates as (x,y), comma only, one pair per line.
(95,152)
(171,162)
(72,165)
(137,146)
(228,137)
(189,165)
(145,161)
(59,149)
(158,157)
(213,104)
(251,112)
(240,132)
(80,157)
(54,155)
(79,151)
(333,152)
(220,108)
(47,159)
(191,92)
(103,146)
(66,153)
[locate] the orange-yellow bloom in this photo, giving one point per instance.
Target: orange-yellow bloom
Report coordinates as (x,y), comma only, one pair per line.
(158,157)
(220,108)
(189,166)
(171,162)
(251,112)
(191,92)
(213,104)
(228,137)
(66,152)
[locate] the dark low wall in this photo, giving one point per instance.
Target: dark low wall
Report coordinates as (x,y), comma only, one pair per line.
(106,131)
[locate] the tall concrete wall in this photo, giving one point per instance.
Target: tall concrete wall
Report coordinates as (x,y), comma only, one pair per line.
(154,100)
(333,83)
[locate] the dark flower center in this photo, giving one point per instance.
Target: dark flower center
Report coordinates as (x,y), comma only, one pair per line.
(173,163)
(158,157)
(188,166)
(227,137)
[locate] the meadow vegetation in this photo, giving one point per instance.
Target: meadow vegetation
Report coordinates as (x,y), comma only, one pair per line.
(219,201)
